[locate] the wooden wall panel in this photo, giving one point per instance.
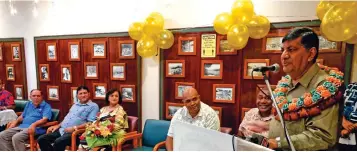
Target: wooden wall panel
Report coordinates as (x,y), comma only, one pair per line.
(78,72)
(20,66)
(232,74)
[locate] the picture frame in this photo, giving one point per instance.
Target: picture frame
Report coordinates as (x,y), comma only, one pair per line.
(272,43)
(218,110)
(249,64)
(74,51)
(180,87)
(175,68)
(19,92)
(171,109)
(16,52)
(51,51)
(326,46)
(187,45)
(211,69)
(98,49)
(66,73)
(10,72)
(44,72)
(1,56)
(243,112)
(74,98)
(99,90)
(223,47)
(118,71)
(91,70)
(264,87)
(53,93)
(224,93)
(128,93)
(127,49)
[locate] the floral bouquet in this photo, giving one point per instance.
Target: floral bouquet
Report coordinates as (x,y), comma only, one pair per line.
(103,132)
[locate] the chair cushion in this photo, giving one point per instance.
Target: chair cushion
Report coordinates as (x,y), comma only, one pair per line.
(155,131)
(55,114)
(146,148)
(133,124)
(20,105)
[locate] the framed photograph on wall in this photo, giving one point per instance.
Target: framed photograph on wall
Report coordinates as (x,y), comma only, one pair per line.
(126,49)
(128,93)
(19,92)
(223,47)
(224,93)
(250,64)
(91,70)
(117,71)
(180,88)
(218,110)
(98,49)
(326,46)
(264,88)
(66,73)
(100,89)
(15,52)
(1,57)
(272,43)
(44,72)
(74,98)
(51,51)
(10,72)
(243,112)
(175,68)
(211,69)
(171,108)
(74,51)
(53,93)
(187,45)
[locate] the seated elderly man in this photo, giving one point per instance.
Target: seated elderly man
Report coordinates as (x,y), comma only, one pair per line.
(6,98)
(35,114)
(194,112)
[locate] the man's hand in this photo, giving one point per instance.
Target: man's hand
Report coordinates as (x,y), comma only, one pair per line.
(32,129)
(53,128)
(273,144)
(12,124)
(69,129)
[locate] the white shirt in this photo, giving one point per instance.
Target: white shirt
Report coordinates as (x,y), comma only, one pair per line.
(206,118)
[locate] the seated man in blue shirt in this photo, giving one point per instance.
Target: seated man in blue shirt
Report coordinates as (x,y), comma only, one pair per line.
(80,113)
(35,114)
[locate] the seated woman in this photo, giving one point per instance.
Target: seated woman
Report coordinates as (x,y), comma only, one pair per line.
(256,120)
(109,128)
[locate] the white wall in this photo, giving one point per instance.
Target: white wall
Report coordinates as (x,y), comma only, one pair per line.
(63,17)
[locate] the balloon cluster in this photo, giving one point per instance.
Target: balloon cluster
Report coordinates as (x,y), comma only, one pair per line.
(241,24)
(150,35)
(338,20)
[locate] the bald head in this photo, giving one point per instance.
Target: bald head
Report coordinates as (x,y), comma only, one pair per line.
(189,93)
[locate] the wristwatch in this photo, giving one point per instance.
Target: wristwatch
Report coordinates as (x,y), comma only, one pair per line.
(75,128)
(278,142)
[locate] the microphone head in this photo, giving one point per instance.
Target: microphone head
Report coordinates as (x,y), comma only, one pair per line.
(276,68)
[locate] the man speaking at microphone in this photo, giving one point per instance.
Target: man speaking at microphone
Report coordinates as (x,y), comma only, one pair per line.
(309,96)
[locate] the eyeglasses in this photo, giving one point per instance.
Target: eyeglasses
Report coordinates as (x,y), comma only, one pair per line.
(190,100)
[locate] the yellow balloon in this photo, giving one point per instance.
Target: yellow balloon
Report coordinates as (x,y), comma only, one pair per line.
(222,23)
(165,39)
(238,36)
(339,23)
(136,30)
(259,27)
(322,8)
(352,40)
(153,24)
(242,11)
(146,47)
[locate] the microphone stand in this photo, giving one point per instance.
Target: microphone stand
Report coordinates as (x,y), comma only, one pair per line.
(278,111)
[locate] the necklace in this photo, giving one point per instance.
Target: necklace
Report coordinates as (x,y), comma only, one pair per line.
(309,104)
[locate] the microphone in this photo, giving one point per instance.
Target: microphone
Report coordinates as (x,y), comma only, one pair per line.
(274,68)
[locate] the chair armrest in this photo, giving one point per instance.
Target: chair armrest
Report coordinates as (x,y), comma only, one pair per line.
(131,133)
(73,140)
(159,145)
(129,137)
(32,141)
